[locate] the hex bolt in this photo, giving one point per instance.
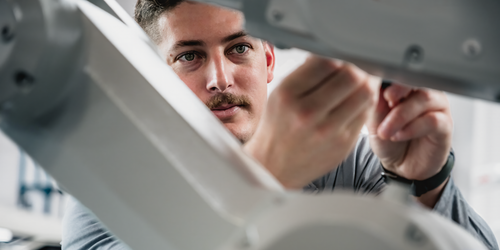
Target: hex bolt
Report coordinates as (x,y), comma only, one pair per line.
(7,33)
(24,81)
(277,15)
(414,55)
(471,48)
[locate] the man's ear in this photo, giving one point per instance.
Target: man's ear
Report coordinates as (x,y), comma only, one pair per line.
(270,60)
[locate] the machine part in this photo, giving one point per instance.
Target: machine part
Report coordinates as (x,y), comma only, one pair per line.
(232,4)
(377,35)
(414,57)
(346,221)
(7,33)
(472,48)
(42,59)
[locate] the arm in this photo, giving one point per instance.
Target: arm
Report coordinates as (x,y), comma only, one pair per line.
(452,205)
(83,231)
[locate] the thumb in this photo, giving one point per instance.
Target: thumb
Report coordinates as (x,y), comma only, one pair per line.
(380,111)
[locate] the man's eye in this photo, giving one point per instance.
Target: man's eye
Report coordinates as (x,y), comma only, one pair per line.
(187,57)
(240,49)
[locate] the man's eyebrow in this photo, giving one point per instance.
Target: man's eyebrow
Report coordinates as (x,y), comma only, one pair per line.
(233,36)
(185,43)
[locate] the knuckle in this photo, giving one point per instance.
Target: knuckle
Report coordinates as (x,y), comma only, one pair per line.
(332,65)
(434,120)
(353,73)
(304,116)
(425,95)
(367,94)
(400,116)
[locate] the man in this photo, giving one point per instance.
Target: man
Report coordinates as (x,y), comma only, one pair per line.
(305,135)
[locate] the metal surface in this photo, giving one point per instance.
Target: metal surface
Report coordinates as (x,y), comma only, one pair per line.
(43,57)
(447,45)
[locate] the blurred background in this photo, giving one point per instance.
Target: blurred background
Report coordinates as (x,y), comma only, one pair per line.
(32,205)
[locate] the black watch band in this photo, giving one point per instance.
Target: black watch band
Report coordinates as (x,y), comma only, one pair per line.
(418,188)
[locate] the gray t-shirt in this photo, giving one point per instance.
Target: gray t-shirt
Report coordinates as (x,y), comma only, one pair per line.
(361,172)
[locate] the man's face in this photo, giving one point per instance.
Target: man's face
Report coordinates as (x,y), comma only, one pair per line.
(228,70)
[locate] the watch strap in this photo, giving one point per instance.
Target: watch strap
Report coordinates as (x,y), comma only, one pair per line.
(418,188)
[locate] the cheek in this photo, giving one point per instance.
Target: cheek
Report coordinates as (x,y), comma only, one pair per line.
(194,82)
(253,82)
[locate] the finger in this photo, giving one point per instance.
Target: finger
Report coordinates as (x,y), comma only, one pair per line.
(418,103)
(358,102)
(434,122)
(309,75)
(378,114)
(395,93)
(335,90)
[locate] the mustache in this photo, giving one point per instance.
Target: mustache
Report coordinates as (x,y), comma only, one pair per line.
(227,99)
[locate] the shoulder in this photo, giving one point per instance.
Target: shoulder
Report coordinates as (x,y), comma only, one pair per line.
(82,230)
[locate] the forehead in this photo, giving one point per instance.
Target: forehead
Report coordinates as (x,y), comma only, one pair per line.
(198,21)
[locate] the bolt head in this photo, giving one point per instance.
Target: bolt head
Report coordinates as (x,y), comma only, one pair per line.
(7,33)
(472,48)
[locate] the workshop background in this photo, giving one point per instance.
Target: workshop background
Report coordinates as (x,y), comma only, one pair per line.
(32,205)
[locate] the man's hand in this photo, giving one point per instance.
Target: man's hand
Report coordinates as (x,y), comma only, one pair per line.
(411,133)
(313,119)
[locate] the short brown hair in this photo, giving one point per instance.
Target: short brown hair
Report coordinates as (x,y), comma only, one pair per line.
(147,13)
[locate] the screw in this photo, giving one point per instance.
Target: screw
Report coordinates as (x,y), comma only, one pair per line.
(24,81)
(414,55)
(7,33)
(278,15)
(414,235)
(471,48)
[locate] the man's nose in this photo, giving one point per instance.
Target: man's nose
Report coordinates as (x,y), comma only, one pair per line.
(220,77)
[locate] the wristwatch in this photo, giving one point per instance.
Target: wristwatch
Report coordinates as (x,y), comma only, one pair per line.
(418,188)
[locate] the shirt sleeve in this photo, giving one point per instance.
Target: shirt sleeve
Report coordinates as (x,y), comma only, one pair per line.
(361,172)
(452,205)
(83,231)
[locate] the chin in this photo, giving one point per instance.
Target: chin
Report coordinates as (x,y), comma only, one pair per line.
(242,133)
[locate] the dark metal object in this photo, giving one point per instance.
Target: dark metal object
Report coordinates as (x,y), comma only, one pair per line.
(414,55)
(7,33)
(24,81)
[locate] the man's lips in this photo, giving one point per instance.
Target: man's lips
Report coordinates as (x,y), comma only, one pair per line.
(226,111)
